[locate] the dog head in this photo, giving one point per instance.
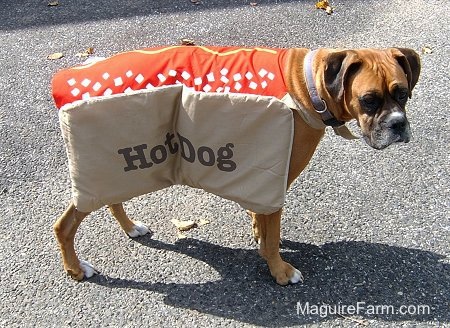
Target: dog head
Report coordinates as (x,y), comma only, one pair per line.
(372,86)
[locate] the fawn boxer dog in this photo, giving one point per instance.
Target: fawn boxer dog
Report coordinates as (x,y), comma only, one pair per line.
(326,87)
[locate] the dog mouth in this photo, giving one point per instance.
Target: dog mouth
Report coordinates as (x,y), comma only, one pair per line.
(383,138)
(386,130)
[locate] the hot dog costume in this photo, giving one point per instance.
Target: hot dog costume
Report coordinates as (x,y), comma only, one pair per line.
(208,69)
(207,117)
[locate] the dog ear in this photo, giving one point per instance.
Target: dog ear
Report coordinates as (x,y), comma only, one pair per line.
(409,60)
(338,67)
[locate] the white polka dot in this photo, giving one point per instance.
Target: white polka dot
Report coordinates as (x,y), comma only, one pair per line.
(161,77)
(139,78)
(249,75)
(264,84)
(198,81)
(96,86)
(262,72)
(71,82)
(75,92)
(253,85)
(172,73)
(128,90)
(107,92)
(224,71)
(227,90)
(129,73)
(219,89)
(237,76)
(118,81)
(238,86)
(207,88)
(86,96)
(105,76)
(210,77)
(271,76)
(185,75)
(85,83)
(224,79)
(149,86)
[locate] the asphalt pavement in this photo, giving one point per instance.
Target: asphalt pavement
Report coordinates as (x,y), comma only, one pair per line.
(365,227)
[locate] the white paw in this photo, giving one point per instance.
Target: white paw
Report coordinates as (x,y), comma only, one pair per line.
(87,268)
(296,277)
(139,229)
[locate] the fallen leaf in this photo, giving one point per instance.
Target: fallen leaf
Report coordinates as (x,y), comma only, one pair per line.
(56,55)
(53,3)
(181,235)
(253,4)
(325,5)
(187,42)
(427,50)
(89,51)
(203,222)
(183,225)
(322,4)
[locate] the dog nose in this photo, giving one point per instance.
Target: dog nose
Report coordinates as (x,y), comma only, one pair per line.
(396,122)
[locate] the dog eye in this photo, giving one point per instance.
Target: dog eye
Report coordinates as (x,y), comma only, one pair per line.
(371,103)
(402,96)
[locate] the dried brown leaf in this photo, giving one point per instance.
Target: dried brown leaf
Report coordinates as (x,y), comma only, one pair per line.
(89,51)
(325,5)
(183,225)
(181,235)
(322,4)
(56,55)
(53,3)
(187,42)
(203,222)
(427,50)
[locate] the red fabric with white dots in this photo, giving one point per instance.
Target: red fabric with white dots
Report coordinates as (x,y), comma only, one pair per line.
(207,69)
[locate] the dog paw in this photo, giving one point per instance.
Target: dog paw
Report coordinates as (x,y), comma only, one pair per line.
(83,270)
(286,274)
(296,277)
(88,269)
(139,229)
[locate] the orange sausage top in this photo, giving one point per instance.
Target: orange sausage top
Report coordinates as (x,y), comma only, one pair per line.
(207,69)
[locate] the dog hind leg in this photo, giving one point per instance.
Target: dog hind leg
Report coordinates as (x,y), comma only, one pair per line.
(268,227)
(255,228)
(65,229)
(132,228)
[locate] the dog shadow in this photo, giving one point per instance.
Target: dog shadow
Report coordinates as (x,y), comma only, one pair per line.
(340,273)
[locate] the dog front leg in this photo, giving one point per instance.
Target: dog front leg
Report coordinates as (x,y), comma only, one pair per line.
(65,229)
(268,227)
